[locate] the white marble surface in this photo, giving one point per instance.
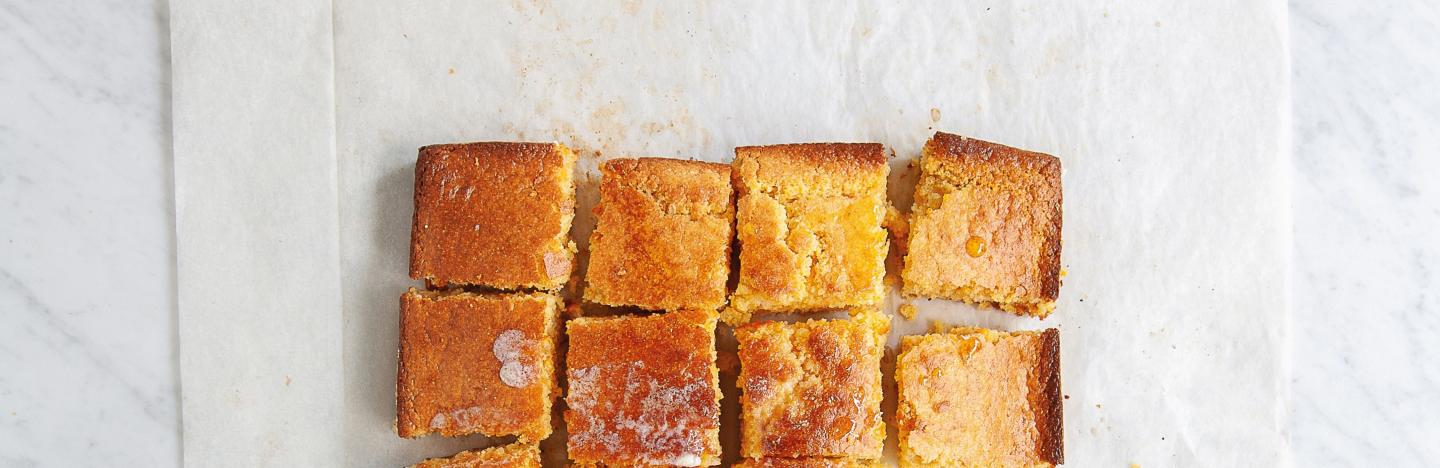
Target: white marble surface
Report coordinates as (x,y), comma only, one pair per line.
(87,346)
(1367,233)
(88,373)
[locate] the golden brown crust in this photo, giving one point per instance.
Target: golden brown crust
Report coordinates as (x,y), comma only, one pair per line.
(662,240)
(986,226)
(812,389)
(808,221)
(517,455)
(1048,401)
(473,363)
(493,214)
(808,463)
(976,397)
(643,390)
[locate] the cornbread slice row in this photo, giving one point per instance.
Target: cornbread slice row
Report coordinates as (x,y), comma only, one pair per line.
(473,363)
(493,214)
(985,227)
(977,397)
(517,455)
(812,388)
(662,239)
(643,390)
(808,220)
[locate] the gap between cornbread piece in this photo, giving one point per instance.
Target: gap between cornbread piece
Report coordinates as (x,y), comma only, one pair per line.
(985,226)
(977,397)
(493,214)
(809,226)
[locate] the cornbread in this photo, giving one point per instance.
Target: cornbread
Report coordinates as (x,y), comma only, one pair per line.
(812,389)
(662,239)
(472,363)
(517,455)
(808,463)
(808,219)
(493,214)
(643,390)
(985,226)
(976,397)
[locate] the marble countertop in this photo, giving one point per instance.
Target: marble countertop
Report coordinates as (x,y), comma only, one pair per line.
(87,266)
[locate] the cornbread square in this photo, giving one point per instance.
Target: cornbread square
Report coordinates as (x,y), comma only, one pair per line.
(985,226)
(812,389)
(809,224)
(977,397)
(494,214)
(517,455)
(643,390)
(808,463)
(472,363)
(662,240)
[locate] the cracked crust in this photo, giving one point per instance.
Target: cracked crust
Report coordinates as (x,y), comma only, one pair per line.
(493,214)
(977,397)
(452,379)
(662,240)
(812,389)
(643,390)
(985,227)
(517,455)
(808,221)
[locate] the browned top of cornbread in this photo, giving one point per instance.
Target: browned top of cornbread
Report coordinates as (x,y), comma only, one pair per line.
(517,455)
(812,389)
(986,228)
(978,397)
(493,214)
(809,225)
(662,240)
(643,390)
(474,363)
(808,463)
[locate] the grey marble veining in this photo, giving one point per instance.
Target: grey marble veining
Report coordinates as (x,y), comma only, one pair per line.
(87,321)
(88,373)
(1367,233)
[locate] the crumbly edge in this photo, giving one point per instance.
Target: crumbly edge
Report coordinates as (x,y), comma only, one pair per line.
(542,427)
(939,176)
(816,159)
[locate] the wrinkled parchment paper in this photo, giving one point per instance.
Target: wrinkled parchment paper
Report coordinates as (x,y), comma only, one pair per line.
(1171,120)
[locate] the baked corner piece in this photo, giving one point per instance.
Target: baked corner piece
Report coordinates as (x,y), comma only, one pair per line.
(516,455)
(985,226)
(812,389)
(809,220)
(808,463)
(662,239)
(494,214)
(977,397)
(472,363)
(643,390)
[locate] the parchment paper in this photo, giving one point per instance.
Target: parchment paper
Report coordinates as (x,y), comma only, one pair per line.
(1171,119)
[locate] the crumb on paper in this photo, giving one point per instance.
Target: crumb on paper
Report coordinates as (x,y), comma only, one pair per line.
(907,310)
(452,71)
(934,114)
